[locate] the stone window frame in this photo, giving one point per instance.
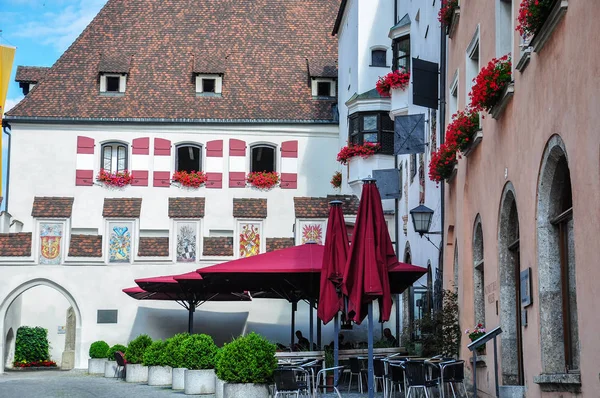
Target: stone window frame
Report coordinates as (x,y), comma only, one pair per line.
(199,239)
(264,144)
(134,240)
(315,87)
(236,239)
(66,239)
(478,272)
(218,89)
(549,216)
(114,155)
(185,144)
(122,84)
(504,34)
(379,48)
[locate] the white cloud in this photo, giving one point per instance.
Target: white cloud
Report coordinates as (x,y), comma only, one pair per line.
(60,27)
(11,102)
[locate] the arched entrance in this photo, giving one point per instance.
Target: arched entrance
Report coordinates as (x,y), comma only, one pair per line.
(478,272)
(9,344)
(15,294)
(510,297)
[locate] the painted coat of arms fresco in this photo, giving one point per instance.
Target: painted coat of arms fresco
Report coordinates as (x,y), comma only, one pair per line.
(312,233)
(50,243)
(119,244)
(186,242)
(249,240)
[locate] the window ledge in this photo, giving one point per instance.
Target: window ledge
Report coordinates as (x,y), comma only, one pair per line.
(568,382)
(524,60)
(507,94)
(454,23)
(474,144)
(323,98)
(219,95)
(111,94)
(542,36)
(453,174)
(379,66)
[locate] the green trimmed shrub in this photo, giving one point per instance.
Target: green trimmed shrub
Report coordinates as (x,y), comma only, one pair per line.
(98,349)
(173,355)
(110,354)
(199,352)
(153,354)
(136,348)
(247,359)
(32,344)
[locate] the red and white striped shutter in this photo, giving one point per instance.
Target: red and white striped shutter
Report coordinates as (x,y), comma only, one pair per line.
(84,163)
(289,165)
(140,161)
(214,164)
(162,163)
(237,163)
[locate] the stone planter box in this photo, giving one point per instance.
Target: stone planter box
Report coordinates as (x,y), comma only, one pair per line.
(476,141)
(96,366)
(178,378)
(454,23)
(110,369)
(199,382)
(453,175)
(219,385)
(136,373)
(240,390)
(542,36)
(160,376)
(507,94)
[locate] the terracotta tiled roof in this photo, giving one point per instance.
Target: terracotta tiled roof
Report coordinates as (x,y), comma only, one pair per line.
(122,207)
(85,246)
(279,243)
(210,62)
(186,207)
(250,208)
(314,207)
(318,67)
(15,245)
(30,74)
(266,43)
(153,247)
(52,207)
(218,246)
(111,62)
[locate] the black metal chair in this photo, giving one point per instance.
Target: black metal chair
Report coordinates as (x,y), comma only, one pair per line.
(453,372)
(121,362)
(286,382)
(356,369)
(415,373)
(379,374)
(396,378)
(324,385)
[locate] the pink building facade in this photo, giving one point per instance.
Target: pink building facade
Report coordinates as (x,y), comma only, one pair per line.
(523,210)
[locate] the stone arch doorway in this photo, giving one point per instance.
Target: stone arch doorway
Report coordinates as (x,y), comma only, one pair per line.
(556,262)
(9,344)
(478,272)
(510,297)
(5,305)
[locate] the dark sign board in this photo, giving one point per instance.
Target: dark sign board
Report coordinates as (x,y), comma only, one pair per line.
(425,83)
(388,183)
(409,134)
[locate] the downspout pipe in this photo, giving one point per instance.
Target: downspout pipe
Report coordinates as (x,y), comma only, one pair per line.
(6,130)
(442,125)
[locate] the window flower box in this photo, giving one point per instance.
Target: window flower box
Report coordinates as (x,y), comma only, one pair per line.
(490,85)
(449,11)
(506,95)
(443,163)
(263,179)
(364,151)
(360,168)
(476,140)
(117,180)
(461,131)
(453,174)
(191,179)
(525,58)
(397,79)
(454,23)
(539,18)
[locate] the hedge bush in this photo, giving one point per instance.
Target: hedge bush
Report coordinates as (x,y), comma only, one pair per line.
(110,354)
(199,352)
(248,359)
(136,348)
(32,344)
(153,354)
(173,355)
(98,349)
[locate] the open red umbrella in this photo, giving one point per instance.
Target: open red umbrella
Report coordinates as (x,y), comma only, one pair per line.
(334,262)
(372,254)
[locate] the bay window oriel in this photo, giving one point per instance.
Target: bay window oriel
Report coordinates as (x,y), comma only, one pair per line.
(372,127)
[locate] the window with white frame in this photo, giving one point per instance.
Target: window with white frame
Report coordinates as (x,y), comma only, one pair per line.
(186,240)
(323,88)
(401,53)
(249,240)
(453,100)
(112,83)
(209,85)
(472,61)
(188,158)
(504,27)
(262,158)
(114,157)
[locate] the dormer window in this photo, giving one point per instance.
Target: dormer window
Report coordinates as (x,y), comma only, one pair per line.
(112,83)
(209,85)
(323,88)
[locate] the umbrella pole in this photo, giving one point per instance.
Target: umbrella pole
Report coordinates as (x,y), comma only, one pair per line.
(293,325)
(319,342)
(312,324)
(370,341)
(191,309)
(336,347)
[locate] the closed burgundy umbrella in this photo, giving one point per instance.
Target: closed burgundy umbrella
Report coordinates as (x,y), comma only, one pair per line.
(366,276)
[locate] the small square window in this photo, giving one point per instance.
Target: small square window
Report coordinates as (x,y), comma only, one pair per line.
(378,57)
(208,85)
(324,89)
(112,84)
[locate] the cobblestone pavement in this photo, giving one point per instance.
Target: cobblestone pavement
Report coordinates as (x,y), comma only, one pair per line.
(78,384)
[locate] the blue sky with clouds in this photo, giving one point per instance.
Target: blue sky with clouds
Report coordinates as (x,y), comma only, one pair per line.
(41,31)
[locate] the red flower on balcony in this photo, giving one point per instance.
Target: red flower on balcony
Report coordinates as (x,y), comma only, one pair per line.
(365,150)
(442,163)
(118,179)
(396,79)
(490,82)
(532,15)
(336,180)
(461,130)
(263,179)
(447,11)
(191,179)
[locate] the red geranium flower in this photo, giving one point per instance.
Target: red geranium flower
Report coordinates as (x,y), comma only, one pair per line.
(461,130)
(118,179)
(490,82)
(442,163)
(192,179)
(447,11)
(263,179)
(396,79)
(532,15)
(365,150)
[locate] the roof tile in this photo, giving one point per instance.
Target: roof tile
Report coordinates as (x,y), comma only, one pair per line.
(154,247)
(52,207)
(30,74)
(85,246)
(218,246)
(15,244)
(279,243)
(186,207)
(315,207)
(249,208)
(122,207)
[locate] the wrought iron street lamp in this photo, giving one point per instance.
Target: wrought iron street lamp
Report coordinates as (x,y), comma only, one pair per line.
(421,218)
